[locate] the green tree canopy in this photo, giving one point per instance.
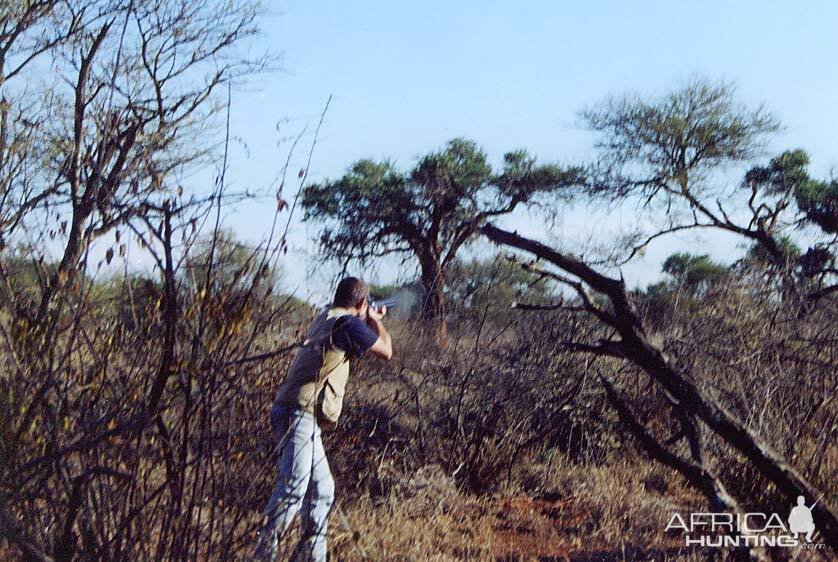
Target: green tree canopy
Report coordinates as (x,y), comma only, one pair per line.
(694,273)
(667,146)
(787,173)
(819,200)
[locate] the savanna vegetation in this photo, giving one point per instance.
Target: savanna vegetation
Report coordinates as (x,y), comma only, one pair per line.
(536,408)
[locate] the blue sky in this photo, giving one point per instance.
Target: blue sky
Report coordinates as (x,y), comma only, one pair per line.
(405,77)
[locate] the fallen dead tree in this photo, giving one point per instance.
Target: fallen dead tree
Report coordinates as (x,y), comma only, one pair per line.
(635,345)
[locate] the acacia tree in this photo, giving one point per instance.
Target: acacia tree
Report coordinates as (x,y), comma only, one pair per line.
(669,152)
(430,212)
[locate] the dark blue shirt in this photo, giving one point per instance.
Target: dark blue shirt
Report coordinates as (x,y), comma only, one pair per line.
(352,335)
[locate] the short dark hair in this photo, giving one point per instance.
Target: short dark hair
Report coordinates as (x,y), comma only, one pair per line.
(350,292)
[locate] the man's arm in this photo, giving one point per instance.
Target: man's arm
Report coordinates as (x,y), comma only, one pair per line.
(383,346)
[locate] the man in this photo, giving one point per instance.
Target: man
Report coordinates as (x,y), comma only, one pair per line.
(311,396)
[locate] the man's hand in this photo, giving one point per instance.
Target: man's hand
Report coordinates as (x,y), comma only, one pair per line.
(383,346)
(377,314)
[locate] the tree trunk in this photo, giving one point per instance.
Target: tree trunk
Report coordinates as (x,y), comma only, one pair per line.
(66,271)
(432,310)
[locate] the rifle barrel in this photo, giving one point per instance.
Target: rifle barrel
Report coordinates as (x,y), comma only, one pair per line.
(389,302)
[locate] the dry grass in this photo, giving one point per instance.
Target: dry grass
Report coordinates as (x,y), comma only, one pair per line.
(499,446)
(598,512)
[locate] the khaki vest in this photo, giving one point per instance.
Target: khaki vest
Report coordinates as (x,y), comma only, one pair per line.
(316,380)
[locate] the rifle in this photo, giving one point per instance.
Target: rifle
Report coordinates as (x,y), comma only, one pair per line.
(389,302)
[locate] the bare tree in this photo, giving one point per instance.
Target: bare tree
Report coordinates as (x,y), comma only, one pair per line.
(105,105)
(143,86)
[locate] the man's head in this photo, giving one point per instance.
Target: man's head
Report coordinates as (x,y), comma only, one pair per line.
(801,500)
(352,293)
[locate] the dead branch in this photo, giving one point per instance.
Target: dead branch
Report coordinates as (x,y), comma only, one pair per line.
(637,347)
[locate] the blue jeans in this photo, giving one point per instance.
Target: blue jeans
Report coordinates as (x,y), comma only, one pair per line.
(304,484)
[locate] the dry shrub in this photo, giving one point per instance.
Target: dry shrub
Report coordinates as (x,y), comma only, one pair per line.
(432,445)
